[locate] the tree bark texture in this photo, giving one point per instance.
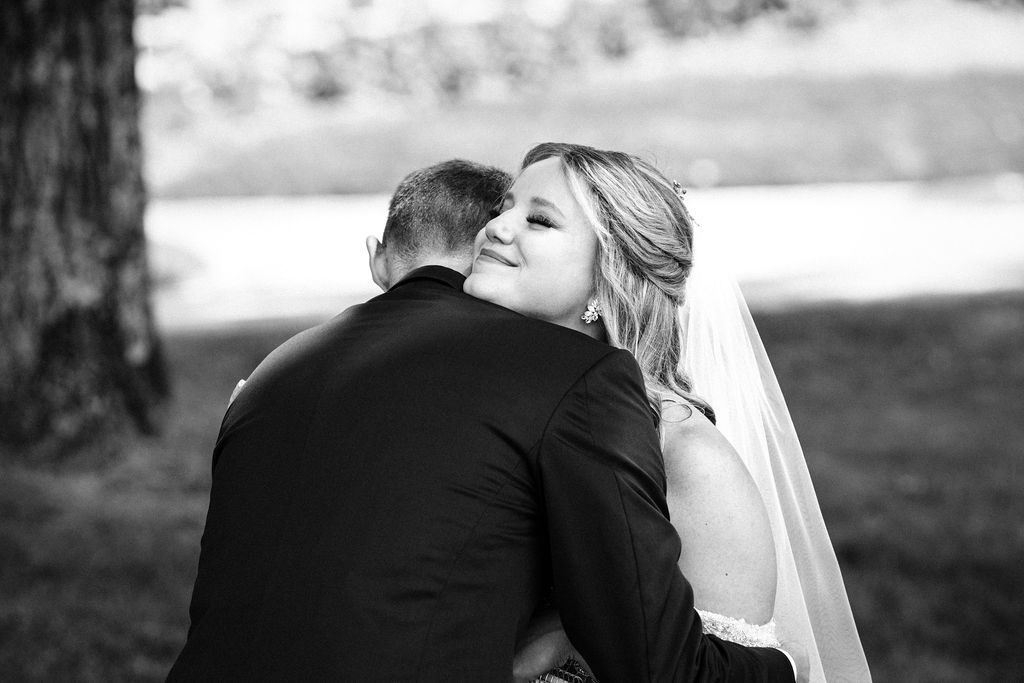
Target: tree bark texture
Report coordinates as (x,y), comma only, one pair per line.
(78,350)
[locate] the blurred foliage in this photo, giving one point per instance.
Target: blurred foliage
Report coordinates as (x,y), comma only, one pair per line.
(252,53)
(272,53)
(324,96)
(689,17)
(243,55)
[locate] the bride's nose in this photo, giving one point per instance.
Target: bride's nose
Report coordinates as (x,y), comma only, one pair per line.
(498,229)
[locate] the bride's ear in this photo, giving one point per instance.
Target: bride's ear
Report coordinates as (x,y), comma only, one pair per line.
(378,262)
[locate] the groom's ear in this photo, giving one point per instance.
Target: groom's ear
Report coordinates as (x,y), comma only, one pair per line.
(378,262)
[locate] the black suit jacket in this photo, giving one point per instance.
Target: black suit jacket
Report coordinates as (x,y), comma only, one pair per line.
(396,489)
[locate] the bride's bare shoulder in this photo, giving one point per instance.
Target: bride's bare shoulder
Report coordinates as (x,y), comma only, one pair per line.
(702,466)
(728,553)
(694,447)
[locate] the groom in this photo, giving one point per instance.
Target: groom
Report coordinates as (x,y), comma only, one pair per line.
(394,490)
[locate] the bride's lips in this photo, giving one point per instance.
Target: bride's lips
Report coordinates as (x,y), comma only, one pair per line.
(495,256)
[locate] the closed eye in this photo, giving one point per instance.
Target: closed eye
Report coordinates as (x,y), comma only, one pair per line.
(540,219)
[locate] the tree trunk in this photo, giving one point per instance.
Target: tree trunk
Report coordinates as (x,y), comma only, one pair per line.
(78,351)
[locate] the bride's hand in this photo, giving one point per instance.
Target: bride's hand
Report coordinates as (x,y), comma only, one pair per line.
(543,647)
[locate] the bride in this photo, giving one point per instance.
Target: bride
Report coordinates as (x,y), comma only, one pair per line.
(601,242)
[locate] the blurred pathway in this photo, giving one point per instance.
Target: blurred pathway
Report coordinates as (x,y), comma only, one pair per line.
(232,260)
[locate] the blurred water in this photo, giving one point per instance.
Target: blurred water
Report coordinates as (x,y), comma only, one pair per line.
(232,260)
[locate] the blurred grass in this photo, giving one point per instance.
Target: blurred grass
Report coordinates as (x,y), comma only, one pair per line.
(909,413)
(731,130)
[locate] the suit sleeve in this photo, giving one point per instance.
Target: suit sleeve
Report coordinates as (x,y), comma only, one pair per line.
(624,603)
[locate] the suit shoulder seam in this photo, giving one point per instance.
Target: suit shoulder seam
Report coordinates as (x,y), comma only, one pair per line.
(581,379)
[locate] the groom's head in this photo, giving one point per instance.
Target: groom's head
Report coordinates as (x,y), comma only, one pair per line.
(433,218)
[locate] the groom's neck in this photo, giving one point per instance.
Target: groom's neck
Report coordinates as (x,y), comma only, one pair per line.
(460,263)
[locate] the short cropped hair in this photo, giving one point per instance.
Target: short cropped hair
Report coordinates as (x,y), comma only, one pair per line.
(441,208)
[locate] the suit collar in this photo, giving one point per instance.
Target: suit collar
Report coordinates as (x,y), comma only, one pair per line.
(441,274)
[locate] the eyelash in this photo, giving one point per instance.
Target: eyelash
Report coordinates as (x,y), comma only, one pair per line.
(536,218)
(540,220)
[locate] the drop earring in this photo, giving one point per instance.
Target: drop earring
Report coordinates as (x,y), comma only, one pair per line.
(592,313)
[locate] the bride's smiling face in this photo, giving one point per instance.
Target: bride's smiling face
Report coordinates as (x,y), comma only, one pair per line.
(537,256)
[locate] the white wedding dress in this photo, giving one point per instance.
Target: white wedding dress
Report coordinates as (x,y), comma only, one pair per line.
(739,631)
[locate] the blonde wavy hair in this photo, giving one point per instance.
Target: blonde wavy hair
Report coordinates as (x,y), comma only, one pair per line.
(645,253)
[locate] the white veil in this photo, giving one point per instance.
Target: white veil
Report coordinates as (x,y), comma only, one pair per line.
(729,368)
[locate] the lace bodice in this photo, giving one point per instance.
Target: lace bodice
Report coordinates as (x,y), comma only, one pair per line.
(738,630)
(726,628)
